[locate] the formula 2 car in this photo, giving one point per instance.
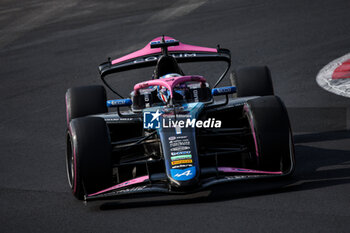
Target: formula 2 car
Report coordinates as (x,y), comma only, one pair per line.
(175,134)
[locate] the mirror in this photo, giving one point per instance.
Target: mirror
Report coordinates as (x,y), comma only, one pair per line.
(223,90)
(119,103)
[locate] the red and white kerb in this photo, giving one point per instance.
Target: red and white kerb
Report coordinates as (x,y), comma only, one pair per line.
(335,77)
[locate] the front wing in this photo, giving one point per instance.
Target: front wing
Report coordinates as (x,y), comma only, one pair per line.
(143,185)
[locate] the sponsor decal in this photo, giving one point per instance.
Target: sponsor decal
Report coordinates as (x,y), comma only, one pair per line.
(172,138)
(180,148)
(195,95)
(118,119)
(178,157)
(181,137)
(241,177)
(179,143)
(183,174)
(335,76)
(158,41)
(155,57)
(181,153)
(181,161)
(182,165)
(170,110)
(128,190)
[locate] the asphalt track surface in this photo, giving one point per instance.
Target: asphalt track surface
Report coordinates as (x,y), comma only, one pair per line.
(49,46)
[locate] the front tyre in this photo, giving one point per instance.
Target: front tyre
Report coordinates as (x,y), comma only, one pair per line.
(88,156)
(271,134)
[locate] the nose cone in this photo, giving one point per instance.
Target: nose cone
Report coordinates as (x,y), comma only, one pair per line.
(179,146)
(180,155)
(184,178)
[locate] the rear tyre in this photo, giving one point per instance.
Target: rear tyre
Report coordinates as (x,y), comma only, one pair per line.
(271,131)
(88,157)
(84,101)
(253,81)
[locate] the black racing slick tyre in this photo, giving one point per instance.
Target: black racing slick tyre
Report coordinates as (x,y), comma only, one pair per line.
(272,137)
(84,101)
(88,156)
(253,81)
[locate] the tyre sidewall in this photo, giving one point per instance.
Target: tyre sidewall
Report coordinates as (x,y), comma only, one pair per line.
(269,123)
(92,155)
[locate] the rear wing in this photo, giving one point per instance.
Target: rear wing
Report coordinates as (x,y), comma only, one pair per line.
(148,56)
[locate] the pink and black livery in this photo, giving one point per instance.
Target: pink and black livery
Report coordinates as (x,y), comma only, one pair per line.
(137,149)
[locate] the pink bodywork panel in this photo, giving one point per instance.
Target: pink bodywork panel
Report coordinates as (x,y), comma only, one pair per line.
(148,51)
(169,83)
(122,185)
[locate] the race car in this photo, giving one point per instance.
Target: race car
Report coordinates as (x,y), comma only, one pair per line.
(175,134)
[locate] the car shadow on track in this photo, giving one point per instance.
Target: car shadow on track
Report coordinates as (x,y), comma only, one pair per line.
(322,136)
(316,168)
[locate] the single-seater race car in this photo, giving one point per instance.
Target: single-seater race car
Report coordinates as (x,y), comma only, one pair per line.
(175,134)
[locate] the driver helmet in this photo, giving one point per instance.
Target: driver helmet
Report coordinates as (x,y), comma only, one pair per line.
(163,93)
